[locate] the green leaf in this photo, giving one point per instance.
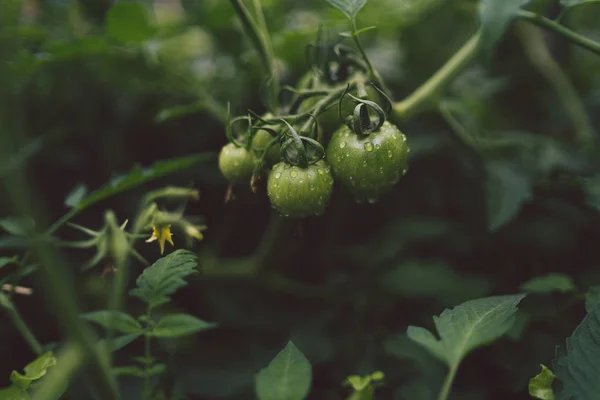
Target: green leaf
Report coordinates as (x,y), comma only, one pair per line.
(470,325)
(121,322)
(128,23)
(507,189)
(175,325)
(139,175)
(4,261)
(18,226)
(14,393)
(592,297)
(350,8)
(77,194)
(116,343)
(495,17)
(164,277)
(549,283)
(33,371)
(577,365)
(540,386)
(287,377)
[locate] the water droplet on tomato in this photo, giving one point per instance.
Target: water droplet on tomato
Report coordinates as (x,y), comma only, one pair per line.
(368,146)
(342,145)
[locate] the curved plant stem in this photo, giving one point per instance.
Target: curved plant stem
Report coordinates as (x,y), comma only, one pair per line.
(445,391)
(555,27)
(426,95)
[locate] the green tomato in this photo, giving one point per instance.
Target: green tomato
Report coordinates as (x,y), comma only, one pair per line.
(236,163)
(259,144)
(369,166)
(300,192)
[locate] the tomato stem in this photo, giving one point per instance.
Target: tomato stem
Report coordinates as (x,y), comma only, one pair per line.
(426,95)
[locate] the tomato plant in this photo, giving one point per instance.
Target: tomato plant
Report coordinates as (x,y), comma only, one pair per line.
(283,200)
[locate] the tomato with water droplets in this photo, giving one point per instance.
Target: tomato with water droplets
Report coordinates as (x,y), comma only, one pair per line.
(368,165)
(300,192)
(236,163)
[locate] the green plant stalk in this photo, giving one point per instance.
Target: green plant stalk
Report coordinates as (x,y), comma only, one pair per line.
(426,95)
(447,386)
(567,33)
(372,71)
(261,43)
(22,326)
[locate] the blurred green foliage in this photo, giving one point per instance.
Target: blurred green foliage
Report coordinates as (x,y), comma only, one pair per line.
(88,92)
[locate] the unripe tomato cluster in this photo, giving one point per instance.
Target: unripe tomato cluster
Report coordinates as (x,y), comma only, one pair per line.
(368,163)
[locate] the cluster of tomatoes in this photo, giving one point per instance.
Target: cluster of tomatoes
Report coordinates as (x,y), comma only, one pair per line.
(367,155)
(334,130)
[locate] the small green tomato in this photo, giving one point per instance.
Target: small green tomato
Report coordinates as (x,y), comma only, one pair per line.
(300,192)
(370,165)
(236,163)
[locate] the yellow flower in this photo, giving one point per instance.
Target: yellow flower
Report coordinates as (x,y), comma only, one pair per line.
(162,234)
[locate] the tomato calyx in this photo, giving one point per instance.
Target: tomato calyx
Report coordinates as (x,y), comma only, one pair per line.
(361,122)
(300,150)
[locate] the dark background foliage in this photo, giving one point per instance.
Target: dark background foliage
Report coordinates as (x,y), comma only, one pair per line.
(465,222)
